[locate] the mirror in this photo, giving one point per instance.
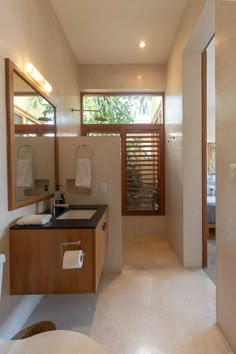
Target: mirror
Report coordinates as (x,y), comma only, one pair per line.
(31,129)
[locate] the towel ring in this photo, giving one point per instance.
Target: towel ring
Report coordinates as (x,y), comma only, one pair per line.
(25,152)
(83,152)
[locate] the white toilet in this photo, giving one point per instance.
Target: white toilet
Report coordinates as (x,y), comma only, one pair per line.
(52,342)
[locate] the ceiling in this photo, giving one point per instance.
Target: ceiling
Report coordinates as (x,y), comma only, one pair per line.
(109,31)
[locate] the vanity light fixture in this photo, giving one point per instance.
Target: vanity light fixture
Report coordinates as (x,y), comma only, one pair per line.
(142,44)
(36,76)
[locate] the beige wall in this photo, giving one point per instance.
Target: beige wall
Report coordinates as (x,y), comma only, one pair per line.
(123,77)
(29,39)
(106,168)
(226,155)
(30,32)
(192,132)
(174,123)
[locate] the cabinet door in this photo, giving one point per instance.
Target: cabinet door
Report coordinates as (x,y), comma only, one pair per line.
(101,241)
(36,262)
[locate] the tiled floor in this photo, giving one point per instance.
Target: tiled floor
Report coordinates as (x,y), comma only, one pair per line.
(153,307)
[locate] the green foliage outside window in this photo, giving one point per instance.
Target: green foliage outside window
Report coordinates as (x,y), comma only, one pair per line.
(115,109)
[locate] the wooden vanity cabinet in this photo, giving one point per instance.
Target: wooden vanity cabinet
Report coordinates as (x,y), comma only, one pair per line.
(36,260)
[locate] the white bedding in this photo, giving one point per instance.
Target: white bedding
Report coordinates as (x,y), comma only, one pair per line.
(211,199)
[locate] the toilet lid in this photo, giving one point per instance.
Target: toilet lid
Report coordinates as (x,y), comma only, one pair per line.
(53,342)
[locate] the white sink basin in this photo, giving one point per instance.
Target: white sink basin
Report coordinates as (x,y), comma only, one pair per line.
(77,214)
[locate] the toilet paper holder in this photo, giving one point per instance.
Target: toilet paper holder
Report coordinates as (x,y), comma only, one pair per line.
(65,244)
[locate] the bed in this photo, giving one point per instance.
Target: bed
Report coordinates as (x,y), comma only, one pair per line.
(211,212)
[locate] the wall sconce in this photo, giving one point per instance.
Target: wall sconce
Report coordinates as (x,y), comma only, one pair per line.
(174,136)
(36,76)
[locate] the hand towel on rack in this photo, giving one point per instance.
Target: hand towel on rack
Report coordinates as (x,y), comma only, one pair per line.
(25,177)
(83,173)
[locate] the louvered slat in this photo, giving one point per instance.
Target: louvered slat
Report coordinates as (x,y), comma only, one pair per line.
(142,171)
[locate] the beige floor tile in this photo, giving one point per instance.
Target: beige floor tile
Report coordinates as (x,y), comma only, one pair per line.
(143,253)
(153,307)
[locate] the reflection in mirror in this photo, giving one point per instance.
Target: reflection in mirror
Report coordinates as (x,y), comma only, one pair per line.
(35,172)
(29,106)
(31,118)
(34,150)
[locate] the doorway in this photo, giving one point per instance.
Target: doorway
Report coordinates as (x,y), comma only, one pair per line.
(208,161)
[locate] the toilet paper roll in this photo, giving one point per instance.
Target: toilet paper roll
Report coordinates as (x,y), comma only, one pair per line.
(73,259)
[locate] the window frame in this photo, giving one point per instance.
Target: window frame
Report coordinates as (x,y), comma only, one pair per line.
(122,129)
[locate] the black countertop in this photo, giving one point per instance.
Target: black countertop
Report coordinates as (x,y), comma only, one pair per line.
(54,223)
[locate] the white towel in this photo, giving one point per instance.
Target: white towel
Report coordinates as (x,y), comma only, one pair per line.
(34,219)
(25,178)
(83,173)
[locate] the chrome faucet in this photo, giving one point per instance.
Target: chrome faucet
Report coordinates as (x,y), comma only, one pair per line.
(54,204)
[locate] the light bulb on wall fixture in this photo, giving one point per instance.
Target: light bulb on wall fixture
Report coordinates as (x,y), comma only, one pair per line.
(142,44)
(33,72)
(36,76)
(47,87)
(29,67)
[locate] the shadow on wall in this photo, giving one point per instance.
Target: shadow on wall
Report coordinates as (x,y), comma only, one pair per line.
(76,311)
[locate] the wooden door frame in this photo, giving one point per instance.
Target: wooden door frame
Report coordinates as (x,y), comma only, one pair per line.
(205,226)
(204,160)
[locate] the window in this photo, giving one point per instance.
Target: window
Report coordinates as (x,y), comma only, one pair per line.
(142,182)
(122,109)
(140,127)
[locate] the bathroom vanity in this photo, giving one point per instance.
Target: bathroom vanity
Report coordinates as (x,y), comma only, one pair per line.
(36,254)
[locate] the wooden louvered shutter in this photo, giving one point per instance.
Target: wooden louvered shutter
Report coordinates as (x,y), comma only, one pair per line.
(143,175)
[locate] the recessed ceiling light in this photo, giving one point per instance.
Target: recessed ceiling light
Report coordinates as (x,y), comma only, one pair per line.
(142,44)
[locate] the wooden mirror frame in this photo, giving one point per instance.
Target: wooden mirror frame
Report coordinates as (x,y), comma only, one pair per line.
(10,69)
